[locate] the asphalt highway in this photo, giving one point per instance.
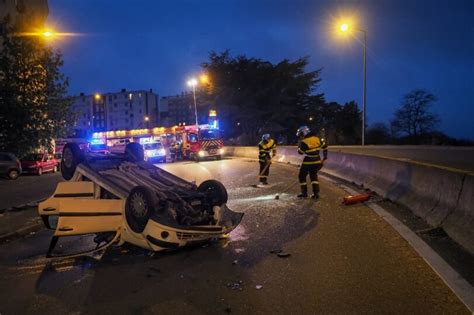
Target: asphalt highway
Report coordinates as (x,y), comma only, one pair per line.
(27,188)
(342,260)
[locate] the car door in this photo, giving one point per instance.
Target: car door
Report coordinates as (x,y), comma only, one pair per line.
(74,211)
(43,163)
(51,163)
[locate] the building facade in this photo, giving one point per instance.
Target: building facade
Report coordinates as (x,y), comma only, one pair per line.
(179,109)
(124,110)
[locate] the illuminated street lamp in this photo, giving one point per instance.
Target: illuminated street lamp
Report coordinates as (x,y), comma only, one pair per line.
(204,78)
(192,83)
(47,34)
(97,96)
(147,118)
(344,28)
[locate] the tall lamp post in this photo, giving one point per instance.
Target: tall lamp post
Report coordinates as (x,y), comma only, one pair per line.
(192,83)
(345,27)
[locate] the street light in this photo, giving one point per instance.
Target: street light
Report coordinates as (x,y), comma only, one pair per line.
(346,27)
(192,83)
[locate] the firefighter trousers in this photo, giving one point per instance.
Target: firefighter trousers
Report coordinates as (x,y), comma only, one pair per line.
(264,170)
(312,170)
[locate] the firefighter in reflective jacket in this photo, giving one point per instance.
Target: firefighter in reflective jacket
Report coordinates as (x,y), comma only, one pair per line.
(266,148)
(310,145)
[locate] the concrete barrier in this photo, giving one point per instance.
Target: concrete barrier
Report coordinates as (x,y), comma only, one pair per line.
(443,197)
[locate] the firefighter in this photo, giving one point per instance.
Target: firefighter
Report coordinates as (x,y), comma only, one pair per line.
(310,146)
(266,149)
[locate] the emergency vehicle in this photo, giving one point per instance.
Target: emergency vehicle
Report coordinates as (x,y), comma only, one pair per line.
(195,143)
(200,143)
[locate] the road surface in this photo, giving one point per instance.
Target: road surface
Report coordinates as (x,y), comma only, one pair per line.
(27,188)
(343,260)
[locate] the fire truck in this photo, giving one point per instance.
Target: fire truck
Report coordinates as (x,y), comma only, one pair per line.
(200,143)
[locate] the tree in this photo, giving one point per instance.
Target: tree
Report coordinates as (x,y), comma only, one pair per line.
(259,96)
(34,108)
(378,133)
(341,123)
(414,118)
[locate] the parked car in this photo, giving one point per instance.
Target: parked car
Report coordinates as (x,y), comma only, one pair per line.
(10,166)
(39,163)
(58,156)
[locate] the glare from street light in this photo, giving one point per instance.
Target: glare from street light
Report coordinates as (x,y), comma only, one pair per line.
(344,27)
(47,34)
(193,82)
(97,96)
(204,78)
(147,118)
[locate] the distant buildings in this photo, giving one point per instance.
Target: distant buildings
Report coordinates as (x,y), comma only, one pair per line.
(115,111)
(179,109)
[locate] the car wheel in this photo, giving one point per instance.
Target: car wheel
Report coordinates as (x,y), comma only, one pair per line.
(72,156)
(215,192)
(13,174)
(40,172)
(134,152)
(140,205)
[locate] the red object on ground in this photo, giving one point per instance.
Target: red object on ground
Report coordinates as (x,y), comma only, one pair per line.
(349,200)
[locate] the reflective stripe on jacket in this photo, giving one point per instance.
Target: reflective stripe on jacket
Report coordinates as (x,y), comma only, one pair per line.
(310,147)
(264,149)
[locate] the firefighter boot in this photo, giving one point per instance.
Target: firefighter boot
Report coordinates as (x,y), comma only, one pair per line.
(315,194)
(304,191)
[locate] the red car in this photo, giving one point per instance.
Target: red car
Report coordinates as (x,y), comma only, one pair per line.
(39,163)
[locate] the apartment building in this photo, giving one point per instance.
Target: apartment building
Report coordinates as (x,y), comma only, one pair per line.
(122,110)
(179,109)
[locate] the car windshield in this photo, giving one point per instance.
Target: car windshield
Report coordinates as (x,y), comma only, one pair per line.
(33,157)
(152,146)
(99,146)
(209,134)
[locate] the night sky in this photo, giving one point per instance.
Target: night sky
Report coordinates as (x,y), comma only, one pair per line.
(412,44)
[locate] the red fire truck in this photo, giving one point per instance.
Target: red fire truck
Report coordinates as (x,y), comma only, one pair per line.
(200,143)
(192,143)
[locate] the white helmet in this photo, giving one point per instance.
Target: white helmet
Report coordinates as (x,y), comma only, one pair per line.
(265,136)
(302,131)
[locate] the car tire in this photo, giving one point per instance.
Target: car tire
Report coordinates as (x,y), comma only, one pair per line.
(72,156)
(134,152)
(140,205)
(40,172)
(216,193)
(13,174)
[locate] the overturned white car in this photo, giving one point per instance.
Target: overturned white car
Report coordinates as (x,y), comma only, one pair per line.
(121,198)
